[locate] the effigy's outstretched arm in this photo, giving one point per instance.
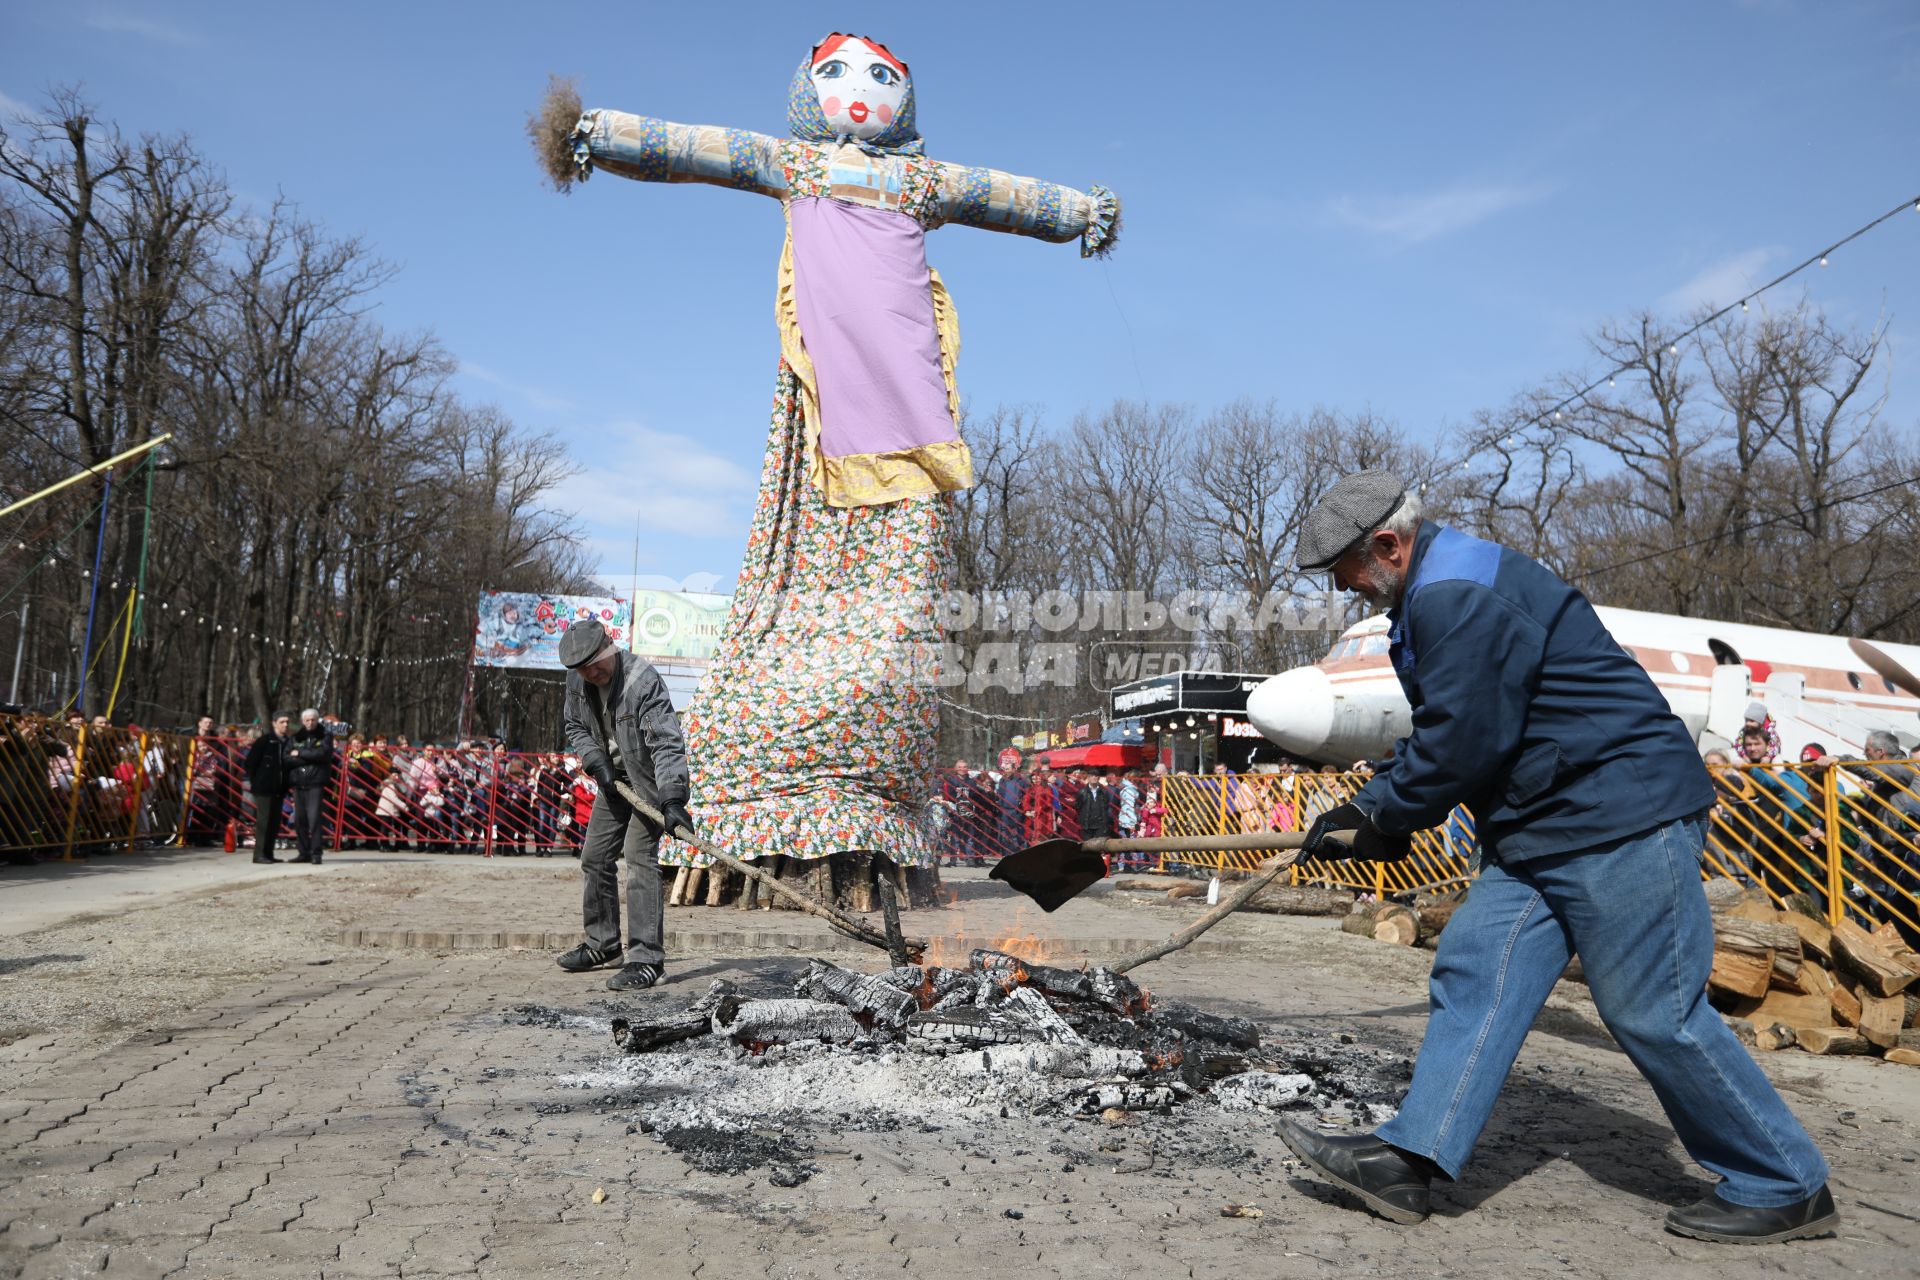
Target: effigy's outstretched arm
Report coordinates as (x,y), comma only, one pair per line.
(652,150)
(996,201)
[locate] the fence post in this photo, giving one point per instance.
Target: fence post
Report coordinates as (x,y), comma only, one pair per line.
(1835,904)
(139,786)
(1226,781)
(1380,881)
(340,804)
(73,809)
(493,797)
(186,792)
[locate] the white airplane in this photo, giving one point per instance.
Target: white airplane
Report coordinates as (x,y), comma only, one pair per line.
(1348,706)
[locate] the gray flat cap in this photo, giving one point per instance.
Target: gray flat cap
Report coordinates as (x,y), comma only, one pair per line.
(581,642)
(1351,510)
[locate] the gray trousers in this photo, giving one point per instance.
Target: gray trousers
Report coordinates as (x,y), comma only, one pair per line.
(616,831)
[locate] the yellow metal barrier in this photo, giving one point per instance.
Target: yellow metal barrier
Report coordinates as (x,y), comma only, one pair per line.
(1226,804)
(1844,838)
(71,788)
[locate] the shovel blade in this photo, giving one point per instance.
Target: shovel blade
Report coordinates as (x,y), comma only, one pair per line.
(1050,872)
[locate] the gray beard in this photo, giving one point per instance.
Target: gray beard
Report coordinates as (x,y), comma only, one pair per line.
(1390,588)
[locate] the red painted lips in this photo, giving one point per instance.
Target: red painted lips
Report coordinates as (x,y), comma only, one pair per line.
(857,110)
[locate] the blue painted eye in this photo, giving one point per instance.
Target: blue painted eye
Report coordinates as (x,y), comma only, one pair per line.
(883,74)
(830,70)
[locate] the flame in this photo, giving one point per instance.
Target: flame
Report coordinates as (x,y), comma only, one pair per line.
(1018,940)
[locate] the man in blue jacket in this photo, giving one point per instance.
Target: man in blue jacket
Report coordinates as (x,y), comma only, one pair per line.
(1588,799)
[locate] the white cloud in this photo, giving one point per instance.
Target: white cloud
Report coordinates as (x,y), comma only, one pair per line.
(11,107)
(532,395)
(669,482)
(1722,282)
(1411,219)
(134,25)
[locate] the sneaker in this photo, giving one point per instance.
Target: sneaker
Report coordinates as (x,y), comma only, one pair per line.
(634,977)
(584,957)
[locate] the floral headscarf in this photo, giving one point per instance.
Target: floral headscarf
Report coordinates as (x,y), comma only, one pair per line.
(807,122)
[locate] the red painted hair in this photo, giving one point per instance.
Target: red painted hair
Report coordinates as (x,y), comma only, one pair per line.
(832,43)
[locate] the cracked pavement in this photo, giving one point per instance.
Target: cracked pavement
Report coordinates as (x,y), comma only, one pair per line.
(381,1114)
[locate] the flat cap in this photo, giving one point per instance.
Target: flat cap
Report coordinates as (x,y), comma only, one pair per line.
(1355,506)
(581,642)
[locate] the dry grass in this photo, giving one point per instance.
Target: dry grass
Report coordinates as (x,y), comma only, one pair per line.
(548,129)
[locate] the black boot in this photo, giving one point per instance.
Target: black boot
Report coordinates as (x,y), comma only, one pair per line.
(584,957)
(268,858)
(1729,1223)
(1388,1182)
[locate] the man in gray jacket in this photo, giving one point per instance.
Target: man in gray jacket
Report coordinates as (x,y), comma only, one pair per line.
(621,724)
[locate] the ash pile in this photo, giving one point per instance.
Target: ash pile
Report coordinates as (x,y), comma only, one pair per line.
(1002,1042)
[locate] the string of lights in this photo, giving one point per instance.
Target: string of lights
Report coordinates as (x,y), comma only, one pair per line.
(1555,410)
(306,648)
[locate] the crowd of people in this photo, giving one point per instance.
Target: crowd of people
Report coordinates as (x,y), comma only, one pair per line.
(385,793)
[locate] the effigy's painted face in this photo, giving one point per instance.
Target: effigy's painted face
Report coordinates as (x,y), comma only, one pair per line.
(860,88)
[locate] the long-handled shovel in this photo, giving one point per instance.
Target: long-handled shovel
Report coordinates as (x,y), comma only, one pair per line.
(1053,871)
(891,942)
(1058,869)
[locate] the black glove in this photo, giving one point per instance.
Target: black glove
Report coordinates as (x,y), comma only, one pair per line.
(604,776)
(1370,843)
(675,813)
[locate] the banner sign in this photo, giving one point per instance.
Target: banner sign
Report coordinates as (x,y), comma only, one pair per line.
(523,629)
(683,626)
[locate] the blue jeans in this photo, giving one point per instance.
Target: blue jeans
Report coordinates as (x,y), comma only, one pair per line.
(1636,914)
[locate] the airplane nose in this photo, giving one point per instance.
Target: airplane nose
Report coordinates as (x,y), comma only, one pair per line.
(1294,710)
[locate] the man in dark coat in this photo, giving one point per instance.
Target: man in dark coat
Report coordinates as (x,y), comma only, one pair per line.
(1094,806)
(310,762)
(621,724)
(266,770)
(1588,797)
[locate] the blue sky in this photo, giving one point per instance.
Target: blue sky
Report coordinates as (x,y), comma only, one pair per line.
(1411,207)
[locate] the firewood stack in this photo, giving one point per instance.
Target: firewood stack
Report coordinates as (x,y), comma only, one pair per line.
(846,880)
(1786,980)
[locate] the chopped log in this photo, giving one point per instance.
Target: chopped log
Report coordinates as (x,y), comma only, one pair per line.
(1774,1037)
(750,892)
(860,877)
(1908,1040)
(1142,884)
(1396,924)
(1757,909)
(864,994)
(797,875)
(717,884)
(1359,923)
(1905,1057)
(1301,900)
(1186,889)
(1810,980)
(1784,1006)
(923,889)
(1433,919)
(1846,1005)
(1743,1030)
(1858,952)
(1724,894)
(679,889)
(1735,933)
(890,924)
(1816,939)
(1826,1040)
(644,1037)
(1741,973)
(1880,1018)
(822,880)
(696,887)
(764,1022)
(1912,998)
